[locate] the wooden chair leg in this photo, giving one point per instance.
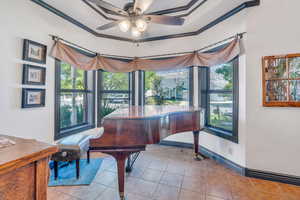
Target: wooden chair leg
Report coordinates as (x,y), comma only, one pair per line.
(88,156)
(77,168)
(55,170)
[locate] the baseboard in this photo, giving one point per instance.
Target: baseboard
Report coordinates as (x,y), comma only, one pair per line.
(222,160)
(176,144)
(212,155)
(271,176)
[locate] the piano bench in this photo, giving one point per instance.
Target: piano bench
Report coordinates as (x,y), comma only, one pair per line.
(72,148)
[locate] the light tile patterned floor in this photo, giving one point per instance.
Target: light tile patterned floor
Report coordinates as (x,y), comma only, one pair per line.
(170,173)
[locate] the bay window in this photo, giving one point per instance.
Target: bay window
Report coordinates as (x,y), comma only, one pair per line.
(172,87)
(115,90)
(219,96)
(74,100)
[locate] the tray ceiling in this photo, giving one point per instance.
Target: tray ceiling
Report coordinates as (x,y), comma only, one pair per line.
(202,13)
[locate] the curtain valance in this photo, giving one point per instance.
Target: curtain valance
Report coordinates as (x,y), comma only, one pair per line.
(70,55)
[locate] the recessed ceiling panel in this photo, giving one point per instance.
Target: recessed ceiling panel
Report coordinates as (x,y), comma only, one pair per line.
(201,16)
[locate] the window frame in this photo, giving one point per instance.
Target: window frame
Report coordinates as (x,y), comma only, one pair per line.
(90,107)
(100,91)
(141,85)
(204,92)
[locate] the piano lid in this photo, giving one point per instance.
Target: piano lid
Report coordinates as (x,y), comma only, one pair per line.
(149,111)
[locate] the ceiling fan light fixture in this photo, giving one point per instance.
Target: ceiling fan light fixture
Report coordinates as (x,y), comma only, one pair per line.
(135,32)
(124,25)
(141,25)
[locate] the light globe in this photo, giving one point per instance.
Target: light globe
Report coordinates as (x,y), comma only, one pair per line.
(135,32)
(124,25)
(141,25)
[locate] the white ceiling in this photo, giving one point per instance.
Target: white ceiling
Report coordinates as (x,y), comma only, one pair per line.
(209,11)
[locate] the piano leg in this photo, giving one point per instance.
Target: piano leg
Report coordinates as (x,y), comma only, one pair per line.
(120,154)
(197,155)
(121,159)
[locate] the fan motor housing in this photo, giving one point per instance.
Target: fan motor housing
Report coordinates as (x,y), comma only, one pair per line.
(129,6)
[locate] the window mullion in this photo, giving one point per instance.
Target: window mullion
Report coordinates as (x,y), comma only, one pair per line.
(110,99)
(220,91)
(73,107)
(75,91)
(221,104)
(73,77)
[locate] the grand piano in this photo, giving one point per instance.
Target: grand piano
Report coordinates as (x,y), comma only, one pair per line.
(127,131)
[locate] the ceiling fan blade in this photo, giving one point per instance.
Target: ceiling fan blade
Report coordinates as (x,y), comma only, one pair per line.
(163,19)
(109,6)
(108,26)
(142,5)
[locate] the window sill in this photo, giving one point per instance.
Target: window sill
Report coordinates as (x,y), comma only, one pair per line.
(221,133)
(73,130)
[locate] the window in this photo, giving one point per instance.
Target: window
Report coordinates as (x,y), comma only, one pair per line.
(174,87)
(74,102)
(219,96)
(114,91)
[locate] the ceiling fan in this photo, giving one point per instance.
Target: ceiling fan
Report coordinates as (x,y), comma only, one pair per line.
(134,17)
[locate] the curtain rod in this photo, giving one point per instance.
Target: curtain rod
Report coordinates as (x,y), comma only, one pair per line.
(203,48)
(56,38)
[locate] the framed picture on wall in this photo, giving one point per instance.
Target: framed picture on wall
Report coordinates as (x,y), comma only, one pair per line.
(33,75)
(34,52)
(32,98)
(281,80)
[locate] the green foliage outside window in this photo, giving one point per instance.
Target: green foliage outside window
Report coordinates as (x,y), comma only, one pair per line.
(220,114)
(72,78)
(115,81)
(66,112)
(107,108)
(153,83)
(227,73)
(65,116)
(112,100)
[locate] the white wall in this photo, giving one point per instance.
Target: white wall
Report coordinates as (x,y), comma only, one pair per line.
(268,137)
(39,122)
(236,24)
(23,19)
(273,134)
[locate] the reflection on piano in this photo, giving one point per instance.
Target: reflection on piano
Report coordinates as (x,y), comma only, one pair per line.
(129,130)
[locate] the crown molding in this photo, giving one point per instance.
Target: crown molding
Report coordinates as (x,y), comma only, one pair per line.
(77,23)
(190,4)
(206,27)
(98,11)
(161,12)
(220,19)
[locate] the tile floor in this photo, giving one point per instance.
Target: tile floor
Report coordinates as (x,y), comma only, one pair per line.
(170,173)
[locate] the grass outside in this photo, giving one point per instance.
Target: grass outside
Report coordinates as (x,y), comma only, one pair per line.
(221,121)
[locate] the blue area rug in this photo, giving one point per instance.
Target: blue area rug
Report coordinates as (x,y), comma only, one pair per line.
(67,173)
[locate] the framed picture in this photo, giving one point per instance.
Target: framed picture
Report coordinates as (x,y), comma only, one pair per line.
(33,75)
(34,52)
(281,80)
(32,98)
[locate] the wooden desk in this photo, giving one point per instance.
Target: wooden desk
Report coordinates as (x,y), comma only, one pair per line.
(24,170)
(129,130)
